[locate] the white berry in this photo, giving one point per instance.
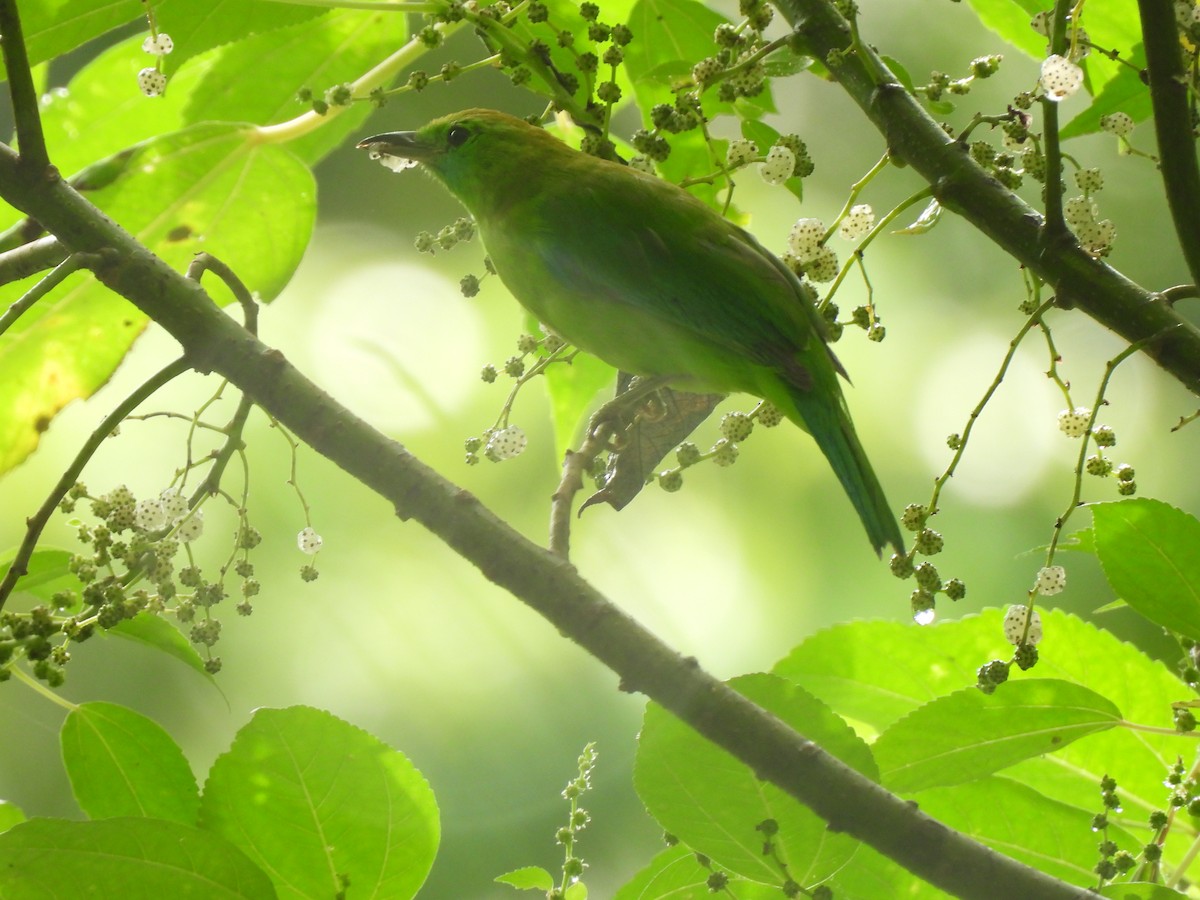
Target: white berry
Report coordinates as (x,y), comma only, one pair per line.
(309,541)
(506,443)
(160,45)
(151,82)
(1074,422)
(174,506)
(192,527)
(857,222)
(740,152)
(1051,580)
(1060,77)
(1080,211)
(148,515)
(824,266)
(779,165)
(805,238)
(1118,123)
(1014,625)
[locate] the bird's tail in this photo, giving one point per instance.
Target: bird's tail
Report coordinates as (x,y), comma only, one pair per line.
(828,421)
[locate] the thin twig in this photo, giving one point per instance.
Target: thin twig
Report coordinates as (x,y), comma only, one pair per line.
(206,262)
(68,266)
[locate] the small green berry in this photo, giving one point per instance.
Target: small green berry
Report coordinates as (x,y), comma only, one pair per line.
(670,480)
(914,516)
(725,452)
(929,542)
(901,565)
(927,576)
(736,426)
(687,454)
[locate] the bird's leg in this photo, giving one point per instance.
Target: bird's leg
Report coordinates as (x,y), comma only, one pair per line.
(619,413)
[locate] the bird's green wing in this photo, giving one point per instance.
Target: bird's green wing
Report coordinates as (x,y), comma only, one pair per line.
(634,270)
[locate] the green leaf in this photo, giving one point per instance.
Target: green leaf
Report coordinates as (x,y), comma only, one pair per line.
(529,878)
(845,667)
(155,631)
(317,54)
(123,764)
(210,187)
(102,112)
(1139,890)
(52,27)
(970,734)
(196,27)
(1147,549)
(135,859)
(1019,822)
(1125,92)
(669,36)
(1010,19)
(47,573)
(871,876)
(319,803)
(10,815)
(713,803)
(674,874)
(1081,540)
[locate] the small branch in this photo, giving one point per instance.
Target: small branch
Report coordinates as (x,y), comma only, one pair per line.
(206,262)
(46,285)
(37,523)
(574,466)
(1173,125)
(29,259)
(20,86)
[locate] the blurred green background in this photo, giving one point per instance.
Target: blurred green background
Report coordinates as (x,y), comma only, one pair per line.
(402,638)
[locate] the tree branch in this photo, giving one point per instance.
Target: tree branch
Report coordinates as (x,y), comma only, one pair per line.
(212,341)
(962,186)
(20,85)
(1173,125)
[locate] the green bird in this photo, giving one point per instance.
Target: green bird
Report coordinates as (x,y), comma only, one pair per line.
(640,273)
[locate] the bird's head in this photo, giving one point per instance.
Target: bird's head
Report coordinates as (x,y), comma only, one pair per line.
(486,158)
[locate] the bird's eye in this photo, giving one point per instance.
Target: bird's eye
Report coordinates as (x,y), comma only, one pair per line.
(457,136)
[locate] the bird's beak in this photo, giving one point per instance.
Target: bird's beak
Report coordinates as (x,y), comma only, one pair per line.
(397,147)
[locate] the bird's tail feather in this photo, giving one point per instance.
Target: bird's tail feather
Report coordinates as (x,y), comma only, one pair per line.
(830,425)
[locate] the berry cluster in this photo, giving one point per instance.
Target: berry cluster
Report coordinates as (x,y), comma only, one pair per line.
(926,542)
(132,566)
(577,817)
(151,80)
(504,441)
(1074,423)
(735,428)
(1184,796)
(940,83)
